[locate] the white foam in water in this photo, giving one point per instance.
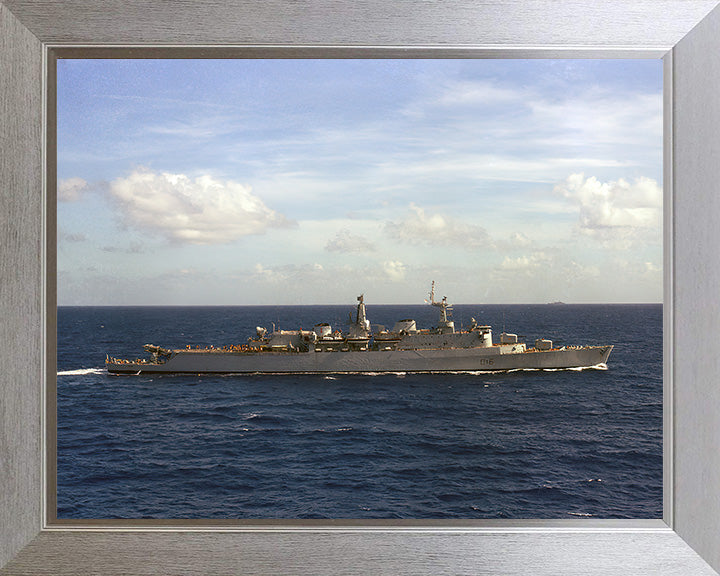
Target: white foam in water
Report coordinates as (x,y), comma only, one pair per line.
(82,372)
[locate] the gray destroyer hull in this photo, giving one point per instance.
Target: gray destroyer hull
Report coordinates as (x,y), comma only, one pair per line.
(485,359)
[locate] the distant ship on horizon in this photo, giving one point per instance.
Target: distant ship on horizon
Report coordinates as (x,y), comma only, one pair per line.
(405,348)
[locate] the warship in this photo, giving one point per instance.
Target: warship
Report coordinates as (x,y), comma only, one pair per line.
(403,349)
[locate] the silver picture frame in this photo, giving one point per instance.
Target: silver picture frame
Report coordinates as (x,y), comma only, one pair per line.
(685,33)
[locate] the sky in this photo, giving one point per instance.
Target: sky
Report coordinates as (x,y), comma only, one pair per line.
(240,182)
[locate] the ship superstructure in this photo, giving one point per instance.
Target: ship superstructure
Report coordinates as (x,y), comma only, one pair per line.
(404,348)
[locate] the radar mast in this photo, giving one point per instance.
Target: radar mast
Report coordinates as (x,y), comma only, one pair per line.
(361,327)
(444,325)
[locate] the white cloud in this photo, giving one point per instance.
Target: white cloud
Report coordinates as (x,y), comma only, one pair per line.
(526,263)
(287,274)
(514,242)
(269,274)
(330,283)
(395,270)
(519,239)
(617,212)
(420,227)
(479,93)
(202,210)
(548,275)
(519,263)
(463,93)
(202,128)
(573,271)
(71,189)
(345,241)
(599,116)
(528,134)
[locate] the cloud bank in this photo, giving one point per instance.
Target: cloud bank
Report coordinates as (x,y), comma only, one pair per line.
(618,211)
(420,227)
(71,189)
(345,241)
(202,210)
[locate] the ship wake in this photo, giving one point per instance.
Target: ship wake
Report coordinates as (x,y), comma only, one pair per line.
(82,372)
(601,366)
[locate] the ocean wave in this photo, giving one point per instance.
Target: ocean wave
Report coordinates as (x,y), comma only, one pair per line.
(82,372)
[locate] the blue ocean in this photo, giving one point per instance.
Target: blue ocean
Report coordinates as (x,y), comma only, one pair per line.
(524,444)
